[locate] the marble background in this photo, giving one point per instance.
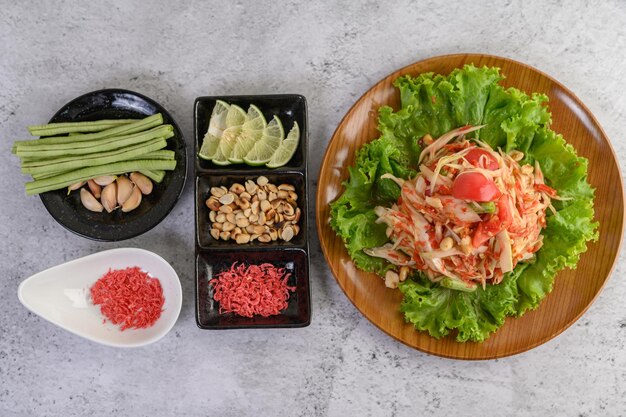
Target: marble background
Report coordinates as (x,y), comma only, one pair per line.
(331,52)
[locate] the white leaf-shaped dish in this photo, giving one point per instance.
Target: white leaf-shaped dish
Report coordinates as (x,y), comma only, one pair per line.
(61,295)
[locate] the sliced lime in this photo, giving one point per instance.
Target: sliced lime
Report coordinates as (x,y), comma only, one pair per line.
(287,148)
(236,116)
(264,148)
(219,158)
(229,139)
(210,144)
(234,120)
(251,132)
(217,124)
(254,119)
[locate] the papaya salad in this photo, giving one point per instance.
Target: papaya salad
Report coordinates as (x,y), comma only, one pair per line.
(468,217)
(468,202)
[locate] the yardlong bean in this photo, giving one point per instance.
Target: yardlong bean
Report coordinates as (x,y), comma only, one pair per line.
(69,127)
(84,174)
(123,154)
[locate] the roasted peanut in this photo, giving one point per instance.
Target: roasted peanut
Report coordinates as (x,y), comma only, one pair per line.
(256,209)
(242,238)
(287,187)
(217,192)
(213,203)
(391,279)
(237,188)
(446,243)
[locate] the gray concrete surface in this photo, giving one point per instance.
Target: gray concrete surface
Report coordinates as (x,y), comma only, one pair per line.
(331,52)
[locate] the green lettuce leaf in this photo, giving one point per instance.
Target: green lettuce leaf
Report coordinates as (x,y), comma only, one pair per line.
(352,215)
(435,104)
(475,315)
(567,231)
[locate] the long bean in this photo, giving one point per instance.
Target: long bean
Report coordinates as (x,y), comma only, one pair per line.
(54,151)
(72,142)
(162,154)
(123,154)
(123,130)
(31,163)
(84,174)
(155,175)
(69,127)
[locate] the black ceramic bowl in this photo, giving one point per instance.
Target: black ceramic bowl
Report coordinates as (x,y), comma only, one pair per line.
(68,210)
(214,256)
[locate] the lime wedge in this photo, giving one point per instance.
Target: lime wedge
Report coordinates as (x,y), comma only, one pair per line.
(264,148)
(235,118)
(217,124)
(251,132)
(210,144)
(228,141)
(287,148)
(254,119)
(219,158)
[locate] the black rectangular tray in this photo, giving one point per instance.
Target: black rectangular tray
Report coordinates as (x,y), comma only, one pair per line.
(213,256)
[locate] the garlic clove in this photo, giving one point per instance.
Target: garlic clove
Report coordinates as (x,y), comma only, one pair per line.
(133,201)
(89,201)
(75,186)
(108,197)
(95,188)
(104,180)
(124,189)
(141,181)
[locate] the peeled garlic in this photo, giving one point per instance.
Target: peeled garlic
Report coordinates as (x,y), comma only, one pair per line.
(75,186)
(95,188)
(108,198)
(133,201)
(124,189)
(141,181)
(89,201)
(104,180)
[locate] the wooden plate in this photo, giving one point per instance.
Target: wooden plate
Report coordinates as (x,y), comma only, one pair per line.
(574,290)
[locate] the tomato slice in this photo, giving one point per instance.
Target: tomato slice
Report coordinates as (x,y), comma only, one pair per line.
(475,186)
(482,159)
(502,219)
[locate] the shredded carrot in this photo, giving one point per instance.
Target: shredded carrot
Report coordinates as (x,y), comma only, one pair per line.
(252,290)
(129,298)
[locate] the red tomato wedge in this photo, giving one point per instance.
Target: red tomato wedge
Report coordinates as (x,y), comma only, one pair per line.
(482,159)
(475,186)
(496,222)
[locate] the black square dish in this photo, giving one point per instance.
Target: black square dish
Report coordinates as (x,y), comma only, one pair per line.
(296,263)
(216,255)
(205,182)
(289,108)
